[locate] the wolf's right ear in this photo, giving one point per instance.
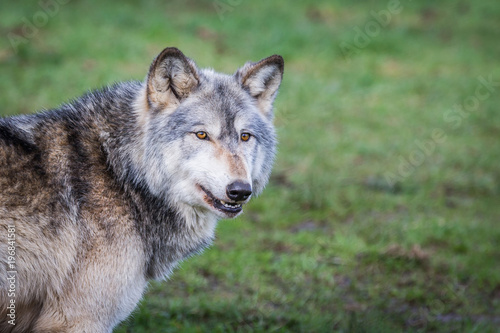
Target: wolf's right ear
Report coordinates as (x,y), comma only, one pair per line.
(171,78)
(262,80)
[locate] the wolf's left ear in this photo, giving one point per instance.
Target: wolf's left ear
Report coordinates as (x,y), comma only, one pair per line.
(171,78)
(262,80)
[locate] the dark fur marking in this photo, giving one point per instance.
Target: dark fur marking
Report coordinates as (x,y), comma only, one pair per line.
(155,226)
(79,164)
(26,317)
(14,138)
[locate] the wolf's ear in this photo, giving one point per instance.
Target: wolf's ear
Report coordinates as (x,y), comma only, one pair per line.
(262,80)
(171,78)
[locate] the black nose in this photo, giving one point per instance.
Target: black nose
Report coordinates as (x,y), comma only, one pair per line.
(238,191)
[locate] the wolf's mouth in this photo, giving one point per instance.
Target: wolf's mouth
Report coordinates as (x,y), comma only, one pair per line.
(230,208)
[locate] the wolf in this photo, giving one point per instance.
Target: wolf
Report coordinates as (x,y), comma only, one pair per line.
(115,188)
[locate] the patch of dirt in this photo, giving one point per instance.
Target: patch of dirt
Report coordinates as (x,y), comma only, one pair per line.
(428,15)
(280,179)
(416,252)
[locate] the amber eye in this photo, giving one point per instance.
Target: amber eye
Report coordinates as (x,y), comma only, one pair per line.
(245,136)
(202,135)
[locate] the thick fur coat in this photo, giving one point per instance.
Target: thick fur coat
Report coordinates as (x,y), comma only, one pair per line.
(118,186)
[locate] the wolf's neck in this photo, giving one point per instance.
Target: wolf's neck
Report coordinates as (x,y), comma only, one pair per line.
(171,231)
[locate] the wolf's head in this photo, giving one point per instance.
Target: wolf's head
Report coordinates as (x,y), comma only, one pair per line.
(209,141)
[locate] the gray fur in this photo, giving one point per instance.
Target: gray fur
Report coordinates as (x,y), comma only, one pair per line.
(116,187)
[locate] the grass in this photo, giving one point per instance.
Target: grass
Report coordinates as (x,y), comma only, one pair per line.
(369,223)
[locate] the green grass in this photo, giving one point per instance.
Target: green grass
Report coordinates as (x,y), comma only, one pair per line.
(346,237)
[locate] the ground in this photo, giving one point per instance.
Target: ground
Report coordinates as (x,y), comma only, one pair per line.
(382,213)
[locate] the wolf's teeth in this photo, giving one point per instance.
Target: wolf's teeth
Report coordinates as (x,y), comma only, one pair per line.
(228,205)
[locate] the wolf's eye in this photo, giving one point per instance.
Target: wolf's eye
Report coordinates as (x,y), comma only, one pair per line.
(202,135)
(245,136)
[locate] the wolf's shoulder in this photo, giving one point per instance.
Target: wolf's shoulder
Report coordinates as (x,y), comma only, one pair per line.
(116,95)
(21,129)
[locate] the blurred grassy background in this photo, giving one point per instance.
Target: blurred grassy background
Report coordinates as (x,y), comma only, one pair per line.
(382,213)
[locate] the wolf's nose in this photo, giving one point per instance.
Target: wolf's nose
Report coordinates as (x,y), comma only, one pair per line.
(238,191)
